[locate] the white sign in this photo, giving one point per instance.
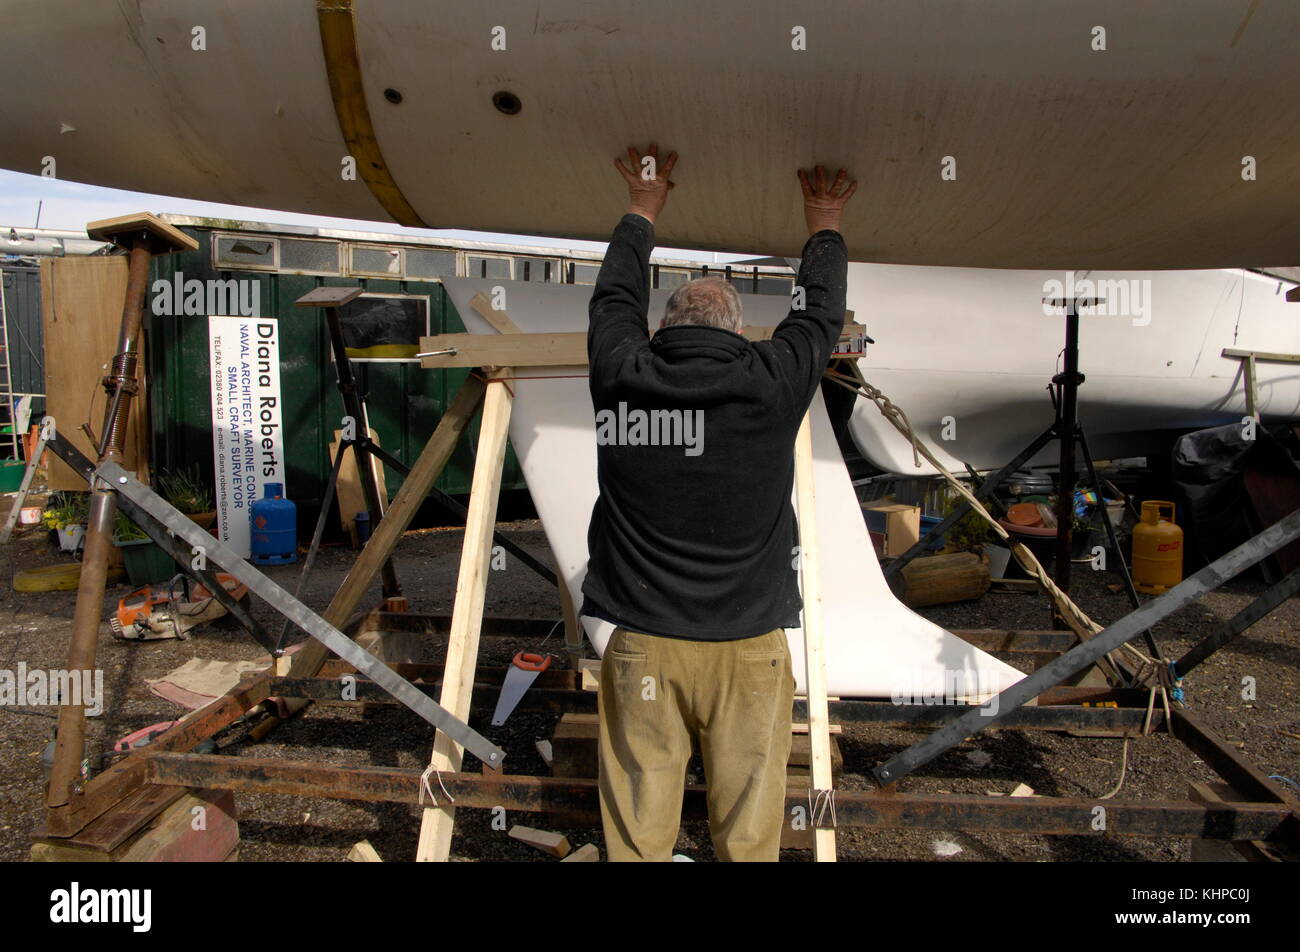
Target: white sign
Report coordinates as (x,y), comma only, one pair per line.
(247,438)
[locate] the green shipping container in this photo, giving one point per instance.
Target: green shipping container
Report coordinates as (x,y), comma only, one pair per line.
(276,265)
(404,401)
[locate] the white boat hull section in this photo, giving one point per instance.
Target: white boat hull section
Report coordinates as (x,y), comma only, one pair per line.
(967,354)
(875,646)
(984,134)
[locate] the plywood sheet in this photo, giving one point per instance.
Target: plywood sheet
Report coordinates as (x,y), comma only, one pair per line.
(349,494)
(81,309)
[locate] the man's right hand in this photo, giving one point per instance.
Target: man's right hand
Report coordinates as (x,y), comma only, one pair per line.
(822,205)
(647,181)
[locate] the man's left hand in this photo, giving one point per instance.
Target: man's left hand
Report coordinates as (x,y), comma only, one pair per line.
(647,181)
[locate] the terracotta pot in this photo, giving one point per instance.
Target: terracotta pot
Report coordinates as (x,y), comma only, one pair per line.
(1025,514)
(1039,540)
(203,520)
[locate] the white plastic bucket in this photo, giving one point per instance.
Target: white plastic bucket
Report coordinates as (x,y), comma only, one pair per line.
(70,538)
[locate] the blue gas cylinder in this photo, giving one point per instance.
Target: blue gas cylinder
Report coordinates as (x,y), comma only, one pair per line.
(273,536)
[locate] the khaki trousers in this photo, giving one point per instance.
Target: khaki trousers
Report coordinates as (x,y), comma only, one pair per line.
(734,699)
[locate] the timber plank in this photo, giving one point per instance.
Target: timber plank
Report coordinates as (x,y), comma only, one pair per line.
(436,823)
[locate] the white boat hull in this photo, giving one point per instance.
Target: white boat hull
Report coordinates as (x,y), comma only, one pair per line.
(967,354)
(1064,155)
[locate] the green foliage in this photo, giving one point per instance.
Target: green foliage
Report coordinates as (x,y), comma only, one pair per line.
(124,530)
(184,490)
(66,509)
(970,531)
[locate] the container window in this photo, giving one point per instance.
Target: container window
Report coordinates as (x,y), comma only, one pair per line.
(741,280)
(426,265)
(535,269)
(246,252)
(583,273)
(489,266)
(377,260)
(669,278)
(309,256)
(775,284)
(385,326)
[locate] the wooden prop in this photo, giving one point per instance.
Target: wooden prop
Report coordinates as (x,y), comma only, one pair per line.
(940,579)
(554,349)
(822,782)
(437,822)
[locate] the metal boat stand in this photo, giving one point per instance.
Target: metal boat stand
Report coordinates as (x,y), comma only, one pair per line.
(367,452)
(1068,432)
(1246,812)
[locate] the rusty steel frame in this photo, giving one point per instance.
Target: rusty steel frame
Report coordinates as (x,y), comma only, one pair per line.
(993,640)
(1054,816)
(556,692)
(1263,811)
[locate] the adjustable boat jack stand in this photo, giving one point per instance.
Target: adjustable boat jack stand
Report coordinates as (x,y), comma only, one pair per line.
(144,236)
(1067,430)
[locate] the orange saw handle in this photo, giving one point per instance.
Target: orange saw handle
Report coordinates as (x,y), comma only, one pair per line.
(531,662)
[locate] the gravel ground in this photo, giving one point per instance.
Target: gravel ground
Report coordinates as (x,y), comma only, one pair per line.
(35,630)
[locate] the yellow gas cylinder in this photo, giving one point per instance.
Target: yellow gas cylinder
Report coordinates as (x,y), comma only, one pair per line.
(1157,549)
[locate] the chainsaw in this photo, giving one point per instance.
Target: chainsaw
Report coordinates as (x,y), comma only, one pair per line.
(154,613)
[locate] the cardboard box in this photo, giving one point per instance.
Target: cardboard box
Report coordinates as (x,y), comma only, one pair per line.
(900,524)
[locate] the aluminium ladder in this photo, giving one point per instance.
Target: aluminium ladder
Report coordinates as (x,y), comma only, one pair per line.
(9,435)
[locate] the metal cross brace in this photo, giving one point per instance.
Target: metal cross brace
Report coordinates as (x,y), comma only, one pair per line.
(1081,656)
(302,616)
(1238,623)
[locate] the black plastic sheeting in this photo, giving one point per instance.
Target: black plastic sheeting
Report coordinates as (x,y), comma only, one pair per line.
(1215,504)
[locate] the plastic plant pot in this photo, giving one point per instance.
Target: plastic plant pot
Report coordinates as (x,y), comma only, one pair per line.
(145,561)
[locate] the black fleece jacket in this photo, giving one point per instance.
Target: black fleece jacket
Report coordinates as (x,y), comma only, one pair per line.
(693,534)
